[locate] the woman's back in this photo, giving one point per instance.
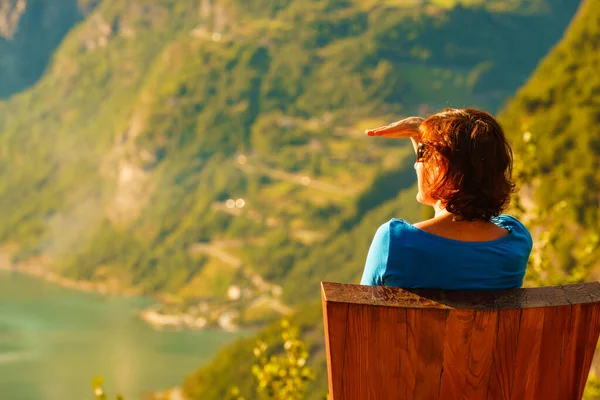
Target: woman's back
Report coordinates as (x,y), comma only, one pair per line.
(407,256)
(463,231)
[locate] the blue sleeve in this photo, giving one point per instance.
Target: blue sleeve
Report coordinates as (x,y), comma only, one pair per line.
(377,258)
(513,224)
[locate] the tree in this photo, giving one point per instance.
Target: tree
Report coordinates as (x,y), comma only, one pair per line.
(281,375)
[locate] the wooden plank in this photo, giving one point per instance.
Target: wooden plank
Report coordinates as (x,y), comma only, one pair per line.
(476,300)
(556,324)
(358,360)
(482,299)
(379,296)
(483,342)
(578,349)
(527,360)
(573,352)
(335,317)
(580,293)
(407,370)
(426,332)
(592,327)
(457,343)
(376,359)
(504,355)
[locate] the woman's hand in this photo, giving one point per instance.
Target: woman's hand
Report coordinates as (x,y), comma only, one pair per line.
(406,128)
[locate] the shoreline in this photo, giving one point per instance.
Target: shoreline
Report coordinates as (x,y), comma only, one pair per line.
(38,268)
(152,315)
(79,285)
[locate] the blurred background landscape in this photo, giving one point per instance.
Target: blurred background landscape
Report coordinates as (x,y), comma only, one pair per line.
(177,174)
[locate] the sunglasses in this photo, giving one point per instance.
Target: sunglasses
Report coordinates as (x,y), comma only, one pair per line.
(420,152)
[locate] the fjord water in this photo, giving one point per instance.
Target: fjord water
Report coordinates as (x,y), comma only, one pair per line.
(54,340)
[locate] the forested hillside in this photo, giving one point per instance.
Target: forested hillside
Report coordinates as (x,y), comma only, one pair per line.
(553,121)
(211,151)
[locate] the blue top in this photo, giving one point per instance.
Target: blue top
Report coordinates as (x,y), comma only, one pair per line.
(405,256)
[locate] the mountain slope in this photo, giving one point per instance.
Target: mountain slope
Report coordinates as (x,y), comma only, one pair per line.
(211,152)
(135,137)
(553,121)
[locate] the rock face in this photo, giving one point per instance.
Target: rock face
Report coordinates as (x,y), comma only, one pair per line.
(30,31)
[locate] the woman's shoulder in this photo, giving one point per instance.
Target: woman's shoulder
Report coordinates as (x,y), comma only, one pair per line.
(513,224)
(397,223)
(508,221)
(397,228)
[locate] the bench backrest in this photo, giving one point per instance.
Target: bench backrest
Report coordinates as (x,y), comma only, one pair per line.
(388,343)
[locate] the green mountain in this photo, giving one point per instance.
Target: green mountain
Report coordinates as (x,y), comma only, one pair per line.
(553,121)
(552,124)
(211,152)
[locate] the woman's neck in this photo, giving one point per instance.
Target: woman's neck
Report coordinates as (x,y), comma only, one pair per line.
(440,211)
(442,214)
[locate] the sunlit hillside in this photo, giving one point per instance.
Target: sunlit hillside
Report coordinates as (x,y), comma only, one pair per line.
(552,124)
(210,153)
(553,121)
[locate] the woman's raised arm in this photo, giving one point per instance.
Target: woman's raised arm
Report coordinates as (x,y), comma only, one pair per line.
(405,128)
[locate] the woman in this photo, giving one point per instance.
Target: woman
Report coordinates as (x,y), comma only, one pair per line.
(463,170)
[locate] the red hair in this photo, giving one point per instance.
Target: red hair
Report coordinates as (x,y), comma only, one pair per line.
(467,163)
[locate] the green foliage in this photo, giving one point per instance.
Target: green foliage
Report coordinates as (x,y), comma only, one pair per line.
(235,363)
(120,161)
(281,373)
(134,132)
(282,377)
(555,166)
(592,388)
(553,124)
(99,393)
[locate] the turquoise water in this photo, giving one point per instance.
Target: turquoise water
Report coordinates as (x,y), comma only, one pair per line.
(54,340)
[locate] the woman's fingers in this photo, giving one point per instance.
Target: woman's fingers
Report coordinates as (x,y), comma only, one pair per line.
(407,127)
(395,127)
(382,130)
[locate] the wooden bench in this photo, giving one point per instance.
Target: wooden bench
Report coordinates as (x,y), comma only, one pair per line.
(388,343)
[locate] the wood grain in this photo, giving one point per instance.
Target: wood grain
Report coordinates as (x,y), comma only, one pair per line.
(374,336)
(426,332)
(359,364)
(573,352)
(527,360)
(483,342)
(576,354)
(335,316)
(556,324)
(592,327)
(459,330)
(473,300)
(504,355)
